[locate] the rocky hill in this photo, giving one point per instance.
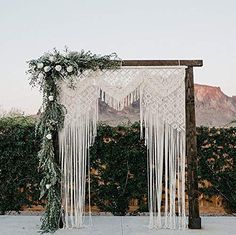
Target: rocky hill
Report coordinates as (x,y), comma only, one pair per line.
(213,108)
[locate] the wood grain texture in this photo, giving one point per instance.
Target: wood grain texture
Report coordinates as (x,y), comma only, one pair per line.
(191,153)
(193,63)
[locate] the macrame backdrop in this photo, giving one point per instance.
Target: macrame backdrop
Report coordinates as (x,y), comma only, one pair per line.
(161,91)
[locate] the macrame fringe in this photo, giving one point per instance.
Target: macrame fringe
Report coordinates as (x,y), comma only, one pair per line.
(166,167)
(74,141)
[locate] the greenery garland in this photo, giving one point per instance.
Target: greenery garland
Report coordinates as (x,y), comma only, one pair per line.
(46,72)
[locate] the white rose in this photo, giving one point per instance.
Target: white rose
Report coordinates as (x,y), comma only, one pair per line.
(51,58)
(49,136)
(50,98)
(41,76)
(39,65)
(69,69)
(47,68)
(58,68)
(48,186)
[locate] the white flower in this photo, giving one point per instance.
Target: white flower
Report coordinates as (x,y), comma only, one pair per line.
(51,58)
(47,68)
(39,65)
(50,98)
(49,136)
(48,186)
(58,68)
(41,76)
(69,69)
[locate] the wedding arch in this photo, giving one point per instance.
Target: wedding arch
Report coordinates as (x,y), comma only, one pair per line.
(72,83)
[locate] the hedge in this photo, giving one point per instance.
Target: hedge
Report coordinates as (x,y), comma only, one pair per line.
(217,164)
(118,163)
(19,177)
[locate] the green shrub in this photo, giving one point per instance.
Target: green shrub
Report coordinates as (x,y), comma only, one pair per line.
(119,166)
(19,177)
(217,163)
(119,162)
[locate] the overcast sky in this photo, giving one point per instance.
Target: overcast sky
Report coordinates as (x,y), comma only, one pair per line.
(134,29)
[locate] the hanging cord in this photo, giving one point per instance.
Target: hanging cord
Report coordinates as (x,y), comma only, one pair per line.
(89,193)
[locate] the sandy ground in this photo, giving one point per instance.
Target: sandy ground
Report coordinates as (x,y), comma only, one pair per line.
(110,225)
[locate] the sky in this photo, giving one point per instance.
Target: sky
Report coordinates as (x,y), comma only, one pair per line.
(134,29)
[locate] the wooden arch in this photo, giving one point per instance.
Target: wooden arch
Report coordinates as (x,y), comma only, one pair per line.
(194,220)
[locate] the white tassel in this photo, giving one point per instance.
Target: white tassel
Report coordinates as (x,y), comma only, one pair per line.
(165,149)
(75,140)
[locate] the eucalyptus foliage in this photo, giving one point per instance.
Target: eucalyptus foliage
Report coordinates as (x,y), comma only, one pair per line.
(46,72)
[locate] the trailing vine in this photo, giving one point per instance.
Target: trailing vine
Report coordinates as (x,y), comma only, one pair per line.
(46,72)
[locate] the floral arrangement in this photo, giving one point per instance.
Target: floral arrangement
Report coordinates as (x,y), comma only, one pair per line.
(46,72)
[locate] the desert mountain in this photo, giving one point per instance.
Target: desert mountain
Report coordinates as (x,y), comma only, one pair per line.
(213,107)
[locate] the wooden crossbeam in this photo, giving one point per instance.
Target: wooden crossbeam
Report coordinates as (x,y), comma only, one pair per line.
(192,63)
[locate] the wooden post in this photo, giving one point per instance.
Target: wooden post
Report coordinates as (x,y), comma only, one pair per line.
(191,153)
